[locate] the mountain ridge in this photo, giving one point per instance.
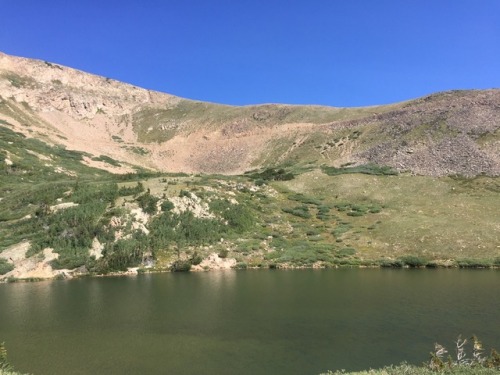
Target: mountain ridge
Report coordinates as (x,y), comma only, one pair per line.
(453,132)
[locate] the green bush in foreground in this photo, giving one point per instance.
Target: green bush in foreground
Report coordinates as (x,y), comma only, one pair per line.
(5,367)
(405,369)
(4,363)
(472,362)
(6,372)
(466,362)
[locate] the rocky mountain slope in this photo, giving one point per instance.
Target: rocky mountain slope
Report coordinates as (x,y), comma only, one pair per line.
(120,127)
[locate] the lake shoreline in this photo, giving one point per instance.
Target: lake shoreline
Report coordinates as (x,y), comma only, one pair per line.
(66,274)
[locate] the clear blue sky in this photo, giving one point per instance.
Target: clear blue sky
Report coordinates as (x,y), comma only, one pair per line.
(331,52)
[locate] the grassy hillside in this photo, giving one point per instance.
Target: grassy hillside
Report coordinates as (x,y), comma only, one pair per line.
(186,116)
(449,133)
(292,217)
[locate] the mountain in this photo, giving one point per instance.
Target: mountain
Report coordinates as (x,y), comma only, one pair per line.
(442,134)
(98,176)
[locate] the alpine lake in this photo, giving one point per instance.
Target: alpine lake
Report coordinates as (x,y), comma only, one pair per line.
(245,322)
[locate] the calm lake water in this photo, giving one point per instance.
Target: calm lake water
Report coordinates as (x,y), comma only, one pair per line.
(245,322)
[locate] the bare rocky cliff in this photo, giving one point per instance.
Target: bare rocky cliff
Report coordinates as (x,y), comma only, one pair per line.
(448,133)
(48,87)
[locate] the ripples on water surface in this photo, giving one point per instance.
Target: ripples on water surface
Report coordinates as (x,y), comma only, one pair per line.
(244,322)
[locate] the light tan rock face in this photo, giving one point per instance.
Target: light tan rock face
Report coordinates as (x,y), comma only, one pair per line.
(35,267)
(48,87)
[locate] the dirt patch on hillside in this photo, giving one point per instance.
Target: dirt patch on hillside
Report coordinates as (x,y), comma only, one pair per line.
(37,266)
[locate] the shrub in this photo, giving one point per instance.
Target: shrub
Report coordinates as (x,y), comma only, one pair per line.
(138,150)
(223,253)
(304,199)
(259,182)
(167,205)
(272,174)
(90,193)
(323,212)
(464,358)
(345,252)
(196,259)
(148,203)
(313,232)
(70,261)
(69,232)
(413,261)
(133,190)
(183,228)
(346,262)
(475,263)
(389,263)
(120,255)
(357,210)
(300,211)
(371,169)
(107,159)
(341,229)
(466,362)
(184,193)
(181,266)
(241,266)
(342,206)
(5,266)
(239,217)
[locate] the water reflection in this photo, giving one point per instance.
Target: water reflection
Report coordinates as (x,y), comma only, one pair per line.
(288,322)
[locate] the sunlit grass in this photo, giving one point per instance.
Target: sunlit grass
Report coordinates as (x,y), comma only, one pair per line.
(438,218)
